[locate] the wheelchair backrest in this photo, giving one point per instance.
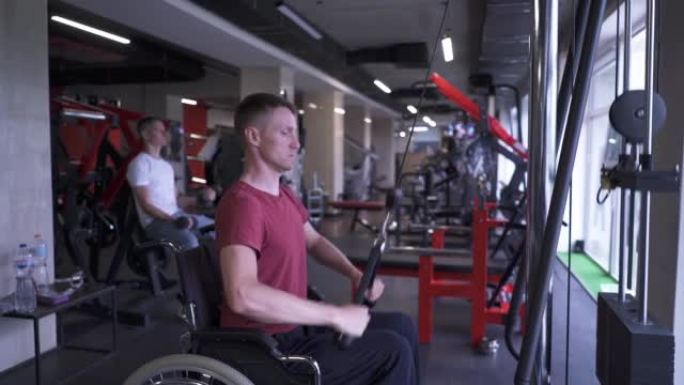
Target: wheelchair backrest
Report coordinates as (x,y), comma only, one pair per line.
(201,286)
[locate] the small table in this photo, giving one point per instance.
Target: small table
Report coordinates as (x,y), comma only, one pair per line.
(84,294)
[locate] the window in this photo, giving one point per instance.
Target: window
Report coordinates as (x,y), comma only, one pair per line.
(597,224)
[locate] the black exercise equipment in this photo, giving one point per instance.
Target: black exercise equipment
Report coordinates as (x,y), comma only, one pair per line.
(541,276)
(372,265)
(85,224)
(632,348)
(145,257)
(628,115)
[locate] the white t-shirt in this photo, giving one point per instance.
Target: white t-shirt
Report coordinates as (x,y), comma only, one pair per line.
(157,174)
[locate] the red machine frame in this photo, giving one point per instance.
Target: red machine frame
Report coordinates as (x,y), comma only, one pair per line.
(472,286)
(473,110)
(88,162)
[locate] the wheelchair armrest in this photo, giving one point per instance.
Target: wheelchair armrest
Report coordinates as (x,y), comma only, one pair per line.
(256,337)
(156,245)
(207,229)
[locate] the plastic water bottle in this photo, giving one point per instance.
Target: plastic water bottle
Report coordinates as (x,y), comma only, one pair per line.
(39,269)
(25,294)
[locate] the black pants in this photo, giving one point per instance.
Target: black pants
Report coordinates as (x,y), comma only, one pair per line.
(386,354)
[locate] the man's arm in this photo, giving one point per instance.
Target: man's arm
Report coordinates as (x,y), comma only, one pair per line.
(246,296)
(142,195)
(331,256)
(328,254)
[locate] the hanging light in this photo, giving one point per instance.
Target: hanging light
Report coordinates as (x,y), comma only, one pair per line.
(296,18)
(447,49)
(382,86)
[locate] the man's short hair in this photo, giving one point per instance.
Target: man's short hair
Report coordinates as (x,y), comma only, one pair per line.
(256,106)
(146,122)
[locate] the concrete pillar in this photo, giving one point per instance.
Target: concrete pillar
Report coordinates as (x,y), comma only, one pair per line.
(666,268)
(324,141)
(357,127)
(273,80)
(382,140)
(357,124)
(174,108)
(25,159)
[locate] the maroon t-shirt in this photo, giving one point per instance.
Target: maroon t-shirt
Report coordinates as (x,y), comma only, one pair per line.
(274,227)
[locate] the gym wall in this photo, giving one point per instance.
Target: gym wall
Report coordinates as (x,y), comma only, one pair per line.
(25,160)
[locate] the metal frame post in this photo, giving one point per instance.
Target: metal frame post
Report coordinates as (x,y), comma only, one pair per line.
(544,46)
(626,147)
(542,277)
(645,225)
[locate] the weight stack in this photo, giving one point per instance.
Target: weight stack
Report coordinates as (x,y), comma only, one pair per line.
(627,352)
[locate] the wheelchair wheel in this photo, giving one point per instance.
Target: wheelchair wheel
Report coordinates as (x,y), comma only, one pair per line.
(186,369)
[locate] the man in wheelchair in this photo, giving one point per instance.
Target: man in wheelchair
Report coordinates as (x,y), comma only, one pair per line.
(263,238)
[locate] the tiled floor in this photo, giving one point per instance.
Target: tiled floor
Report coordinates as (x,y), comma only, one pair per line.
(448,360)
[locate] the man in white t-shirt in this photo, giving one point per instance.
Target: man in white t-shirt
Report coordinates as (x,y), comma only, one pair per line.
(153,184)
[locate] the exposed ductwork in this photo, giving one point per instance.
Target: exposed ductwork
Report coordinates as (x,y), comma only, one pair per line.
(405,55)
(78,57)
(505,41)
(415,93)
(261,18)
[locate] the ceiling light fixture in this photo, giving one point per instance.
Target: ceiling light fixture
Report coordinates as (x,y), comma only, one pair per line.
(420,129)
(447,49)
(313,106)
(93,30)
(197,136)
(382,86)
(367,120)
(301,112)
(402,134)
(340,111)
(189,102)
(83,114)
(299,20)
(412,109)
(428,120)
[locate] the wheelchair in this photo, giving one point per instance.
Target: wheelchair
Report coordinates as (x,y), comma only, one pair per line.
(236,356)
(217,355)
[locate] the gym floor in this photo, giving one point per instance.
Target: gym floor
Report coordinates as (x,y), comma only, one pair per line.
(448,360)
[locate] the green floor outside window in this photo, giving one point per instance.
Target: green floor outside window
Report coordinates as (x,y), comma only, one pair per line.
(590,275)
